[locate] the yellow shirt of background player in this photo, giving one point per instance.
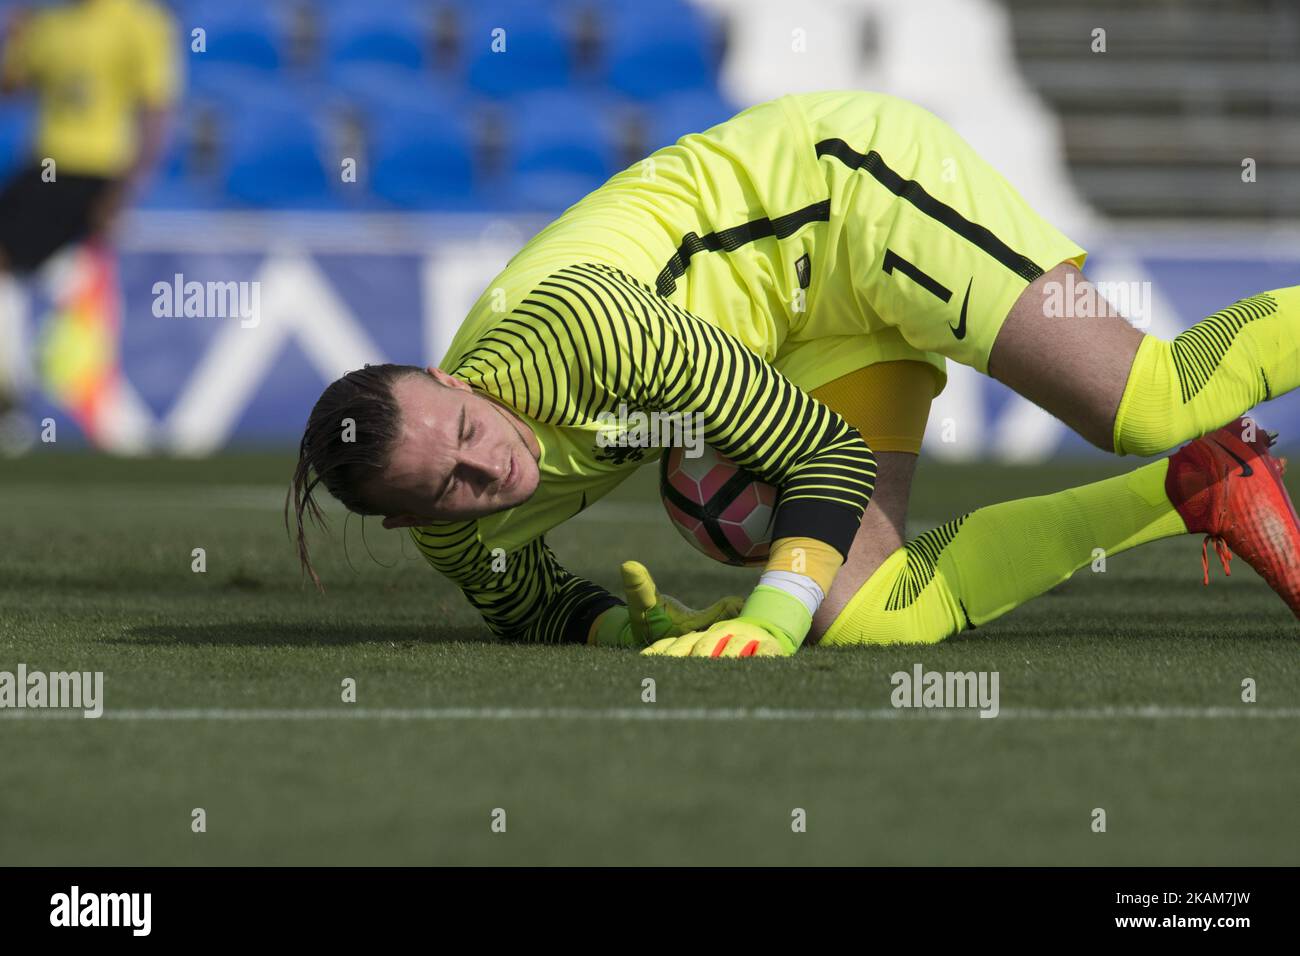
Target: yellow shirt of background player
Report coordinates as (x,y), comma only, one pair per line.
(93,65)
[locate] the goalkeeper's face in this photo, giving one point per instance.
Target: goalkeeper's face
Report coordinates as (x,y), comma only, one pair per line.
(458,455)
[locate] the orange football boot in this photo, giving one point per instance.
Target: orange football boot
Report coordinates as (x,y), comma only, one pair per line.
(1231,491)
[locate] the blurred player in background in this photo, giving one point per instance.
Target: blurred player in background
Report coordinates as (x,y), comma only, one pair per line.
(105,77)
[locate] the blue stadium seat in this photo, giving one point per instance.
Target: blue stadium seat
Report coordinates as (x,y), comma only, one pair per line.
(231,88)
(273,159)
(376,61)
(561,148)
(537,52)
(176,183)
(377,87)
(678,114)
(241,32)
(389,33)
(651,52)
(230,83)
(422,158)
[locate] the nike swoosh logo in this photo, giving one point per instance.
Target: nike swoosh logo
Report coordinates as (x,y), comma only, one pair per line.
(959,330)
(1246,470)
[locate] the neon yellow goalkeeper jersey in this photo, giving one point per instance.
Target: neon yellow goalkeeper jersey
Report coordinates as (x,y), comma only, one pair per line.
(618,302)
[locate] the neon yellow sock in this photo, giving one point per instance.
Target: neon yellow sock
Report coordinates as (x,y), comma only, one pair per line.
(976,568)
(1218,369)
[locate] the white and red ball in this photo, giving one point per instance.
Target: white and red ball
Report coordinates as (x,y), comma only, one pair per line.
(723,510)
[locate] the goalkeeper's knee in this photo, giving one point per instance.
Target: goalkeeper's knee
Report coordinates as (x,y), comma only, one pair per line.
(1218,369)
(1153,417)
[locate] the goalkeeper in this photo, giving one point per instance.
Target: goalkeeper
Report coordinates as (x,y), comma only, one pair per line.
(733,276)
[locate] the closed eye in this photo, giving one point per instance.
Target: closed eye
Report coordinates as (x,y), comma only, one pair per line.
(460,440)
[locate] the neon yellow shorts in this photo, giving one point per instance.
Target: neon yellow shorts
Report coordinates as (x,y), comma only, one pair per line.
(854,220)
(924,237)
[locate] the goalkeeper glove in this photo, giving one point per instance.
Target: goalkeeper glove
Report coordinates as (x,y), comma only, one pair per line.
(771,624)
(651,616)
(734,638)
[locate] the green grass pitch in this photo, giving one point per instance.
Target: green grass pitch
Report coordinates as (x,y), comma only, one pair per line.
(95,574)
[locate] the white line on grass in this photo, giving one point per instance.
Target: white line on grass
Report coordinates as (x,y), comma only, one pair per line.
(650,713)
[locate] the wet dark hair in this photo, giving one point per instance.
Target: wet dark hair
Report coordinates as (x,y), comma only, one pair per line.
(366,397)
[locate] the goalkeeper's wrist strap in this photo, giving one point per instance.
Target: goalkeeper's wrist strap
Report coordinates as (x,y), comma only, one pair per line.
(808,558)
(783,605)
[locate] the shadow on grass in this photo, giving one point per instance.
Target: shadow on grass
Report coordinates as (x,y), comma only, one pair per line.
(282,634)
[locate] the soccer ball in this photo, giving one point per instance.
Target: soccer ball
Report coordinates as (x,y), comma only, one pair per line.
(723,510)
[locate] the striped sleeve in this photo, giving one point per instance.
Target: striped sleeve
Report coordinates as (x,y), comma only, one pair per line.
(590,337)
(524,595)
